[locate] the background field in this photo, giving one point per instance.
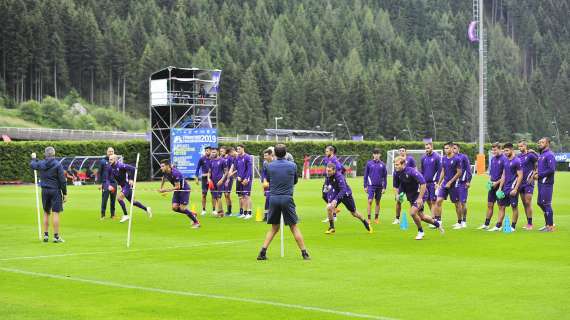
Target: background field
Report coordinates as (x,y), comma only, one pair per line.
(174,272)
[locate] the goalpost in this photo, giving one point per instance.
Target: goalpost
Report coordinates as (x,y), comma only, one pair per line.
(416,154)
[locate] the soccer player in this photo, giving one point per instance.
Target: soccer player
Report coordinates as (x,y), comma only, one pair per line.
(375,178)
(410,162)
(430,169)
(216,175)
(450,173)
(510,183)
(282,176)
(244,177)
(410,181)
(267,158)
(339,192)
(202,171)
(228,181)
(528,159)
(54,190)
(180,191)
(105,193)
(123,174)
(545,176)
(330,157)
(462,185)
(498,161)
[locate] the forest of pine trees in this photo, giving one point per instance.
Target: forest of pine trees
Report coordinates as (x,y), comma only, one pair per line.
(385,65)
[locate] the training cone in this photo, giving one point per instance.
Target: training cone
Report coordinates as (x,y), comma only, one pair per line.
(507,225)
(404,221)
(258,215)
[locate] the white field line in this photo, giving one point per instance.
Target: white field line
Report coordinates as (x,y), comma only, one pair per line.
(195,294)
(214,243)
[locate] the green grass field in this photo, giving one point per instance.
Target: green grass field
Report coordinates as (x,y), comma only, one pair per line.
(174,272)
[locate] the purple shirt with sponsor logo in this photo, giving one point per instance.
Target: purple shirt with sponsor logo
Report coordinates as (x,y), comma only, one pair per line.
(243,166)
(431,166)
(176,176)
(217,168)
(338,186)
(497,167)
(511,168)
(546,167)
(409,181)
(450,166)
(528,162)
(465,168)
(122,173)
(375,174)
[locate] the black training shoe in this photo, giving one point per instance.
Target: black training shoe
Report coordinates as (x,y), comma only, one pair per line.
(305,256)
(46,239)
(58,240)
(261,257)
(366,225)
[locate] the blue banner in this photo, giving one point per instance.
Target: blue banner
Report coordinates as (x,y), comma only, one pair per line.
(188,145)
(562,157)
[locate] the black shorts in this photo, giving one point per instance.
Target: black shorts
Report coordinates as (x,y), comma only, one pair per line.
(348,202)
(52,200)
(282,205)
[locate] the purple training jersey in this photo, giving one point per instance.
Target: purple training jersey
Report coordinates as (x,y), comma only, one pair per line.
(465,164)
(528,161)
(546,167)
(512,166)
(431,167)
(202,166)
(122,173)
(450,166)
(243,166)
(497,167)
(175,176)
(217,168)
(375,174)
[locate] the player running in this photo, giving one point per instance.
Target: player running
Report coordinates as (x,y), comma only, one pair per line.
(180,191)
(375,180)
(338,192)
(410,181)
(123,174)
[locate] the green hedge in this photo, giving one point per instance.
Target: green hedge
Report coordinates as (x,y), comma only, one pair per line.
(15,156)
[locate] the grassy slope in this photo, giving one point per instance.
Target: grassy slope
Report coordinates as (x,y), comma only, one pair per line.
(467,273)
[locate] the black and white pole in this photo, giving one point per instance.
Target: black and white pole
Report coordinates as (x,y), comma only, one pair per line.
(132,201)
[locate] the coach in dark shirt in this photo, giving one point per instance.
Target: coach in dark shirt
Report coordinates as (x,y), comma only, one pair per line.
(282,177)
(54,189)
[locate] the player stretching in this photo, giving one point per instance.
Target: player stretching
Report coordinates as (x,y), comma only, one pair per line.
(267,158)
(340,192)
(512,177)
(216,175)
(180,191)
(123,174)
(202,171)
(462,185)
(450,173)
(330,157)
(545,177)
(528,160)
(375,178)
(410,181)
(430,169)
(498,161)
(410,162)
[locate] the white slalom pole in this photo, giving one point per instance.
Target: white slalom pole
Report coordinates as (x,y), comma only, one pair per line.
(282,236)
(38,204)
(132,201)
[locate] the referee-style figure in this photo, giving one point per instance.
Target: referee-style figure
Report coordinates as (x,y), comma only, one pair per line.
(282,176)
(54,190)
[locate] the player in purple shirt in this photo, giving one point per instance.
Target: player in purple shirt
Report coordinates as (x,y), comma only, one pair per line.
(244,179)
(228,181)
(462,185)
(202,175)
(267,158)
(496,169)
(545,176)
(339,192)
(450,173)
(123,174)
(410,162)
(330,157)
(430,169)
(375,180)
(510,184)
(529,159)
(216,175)
(410,181)
(180,191)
